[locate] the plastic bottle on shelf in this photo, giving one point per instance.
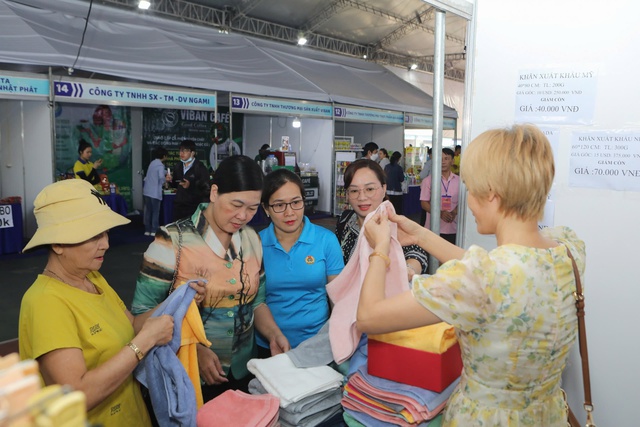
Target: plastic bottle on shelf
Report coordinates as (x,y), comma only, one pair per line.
(270,163)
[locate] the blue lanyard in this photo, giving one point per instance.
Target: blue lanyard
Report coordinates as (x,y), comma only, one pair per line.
(446,187)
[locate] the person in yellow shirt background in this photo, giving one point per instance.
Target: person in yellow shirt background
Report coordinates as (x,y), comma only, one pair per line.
(455,167)
(84,168)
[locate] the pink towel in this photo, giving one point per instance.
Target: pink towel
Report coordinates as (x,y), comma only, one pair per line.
(239,409)
(416,409)
(344,290)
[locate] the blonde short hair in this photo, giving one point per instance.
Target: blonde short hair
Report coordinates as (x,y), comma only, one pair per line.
(516,164)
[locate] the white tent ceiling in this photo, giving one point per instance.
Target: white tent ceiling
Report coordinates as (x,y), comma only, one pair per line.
(398,32)
(147,47)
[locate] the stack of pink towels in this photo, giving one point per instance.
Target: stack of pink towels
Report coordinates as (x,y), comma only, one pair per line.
(239,409)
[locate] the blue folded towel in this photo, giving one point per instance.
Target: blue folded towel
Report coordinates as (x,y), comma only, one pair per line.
(171,391)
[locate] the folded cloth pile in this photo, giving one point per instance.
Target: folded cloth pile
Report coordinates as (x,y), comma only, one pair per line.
(360,419)
(239,409)
(308,412)
(391,402)
(308,396)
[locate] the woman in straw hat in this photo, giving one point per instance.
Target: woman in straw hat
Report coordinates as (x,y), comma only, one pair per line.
(72,322)
(215,243)
(512,307)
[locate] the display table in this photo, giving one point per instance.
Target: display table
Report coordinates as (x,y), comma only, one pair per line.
(117,203)
(166,208)
(11,238)
(411,201)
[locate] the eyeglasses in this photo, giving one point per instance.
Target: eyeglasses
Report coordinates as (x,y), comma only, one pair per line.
(296,205)
(354,193)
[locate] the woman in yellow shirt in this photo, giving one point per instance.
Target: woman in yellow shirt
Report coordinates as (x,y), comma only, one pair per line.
(83,168)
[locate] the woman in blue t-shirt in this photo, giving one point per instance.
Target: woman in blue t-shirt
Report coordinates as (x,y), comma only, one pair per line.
(300,258)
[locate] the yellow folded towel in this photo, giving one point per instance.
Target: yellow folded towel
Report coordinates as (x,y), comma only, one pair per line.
(436,338)
(192,333)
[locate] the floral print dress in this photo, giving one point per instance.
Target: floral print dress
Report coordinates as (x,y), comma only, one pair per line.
(515,318)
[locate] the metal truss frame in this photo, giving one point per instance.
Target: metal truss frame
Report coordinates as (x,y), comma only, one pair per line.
(237,20)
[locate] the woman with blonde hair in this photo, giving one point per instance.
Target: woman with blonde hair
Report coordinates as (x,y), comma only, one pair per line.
(512,307)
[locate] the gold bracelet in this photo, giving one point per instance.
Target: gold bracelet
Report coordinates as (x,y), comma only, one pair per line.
(136,350)
(381,255)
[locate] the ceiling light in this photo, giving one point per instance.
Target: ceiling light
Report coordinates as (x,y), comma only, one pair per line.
(296,123)
(144,4)
(364,56)
(302,41)
(414,66)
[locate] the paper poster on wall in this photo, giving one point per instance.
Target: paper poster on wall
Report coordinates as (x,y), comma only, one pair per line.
(605,159)
(553,135)
(284,144)
(107,129)
(556,95)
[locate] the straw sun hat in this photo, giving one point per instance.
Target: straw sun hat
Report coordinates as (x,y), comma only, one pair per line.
(71,211)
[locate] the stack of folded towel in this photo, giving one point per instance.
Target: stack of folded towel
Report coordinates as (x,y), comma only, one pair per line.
(391,402)
(308,396)
(239,409)
(372,401)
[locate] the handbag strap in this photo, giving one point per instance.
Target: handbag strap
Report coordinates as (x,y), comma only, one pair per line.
(582,339)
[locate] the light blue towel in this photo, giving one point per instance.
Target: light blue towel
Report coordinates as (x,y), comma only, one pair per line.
(428,398)
(171,390)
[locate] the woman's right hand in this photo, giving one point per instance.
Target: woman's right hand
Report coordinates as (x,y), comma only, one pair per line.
(210,367)
(159,329)
(408,230)
(97,163)
(378,232)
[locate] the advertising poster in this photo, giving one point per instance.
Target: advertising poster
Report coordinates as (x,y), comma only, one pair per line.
(107,128)
(166,128)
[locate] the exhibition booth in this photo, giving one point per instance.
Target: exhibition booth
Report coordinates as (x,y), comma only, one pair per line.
(273,85)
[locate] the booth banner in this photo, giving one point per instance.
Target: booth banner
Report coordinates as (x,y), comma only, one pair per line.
(420,120)
(605,159)
(168,128)
(107,129)
(12,86)
(6,216)
(85,91)
(281,107)
(368,115)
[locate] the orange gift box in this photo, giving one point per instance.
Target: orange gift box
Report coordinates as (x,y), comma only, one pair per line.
(406,365)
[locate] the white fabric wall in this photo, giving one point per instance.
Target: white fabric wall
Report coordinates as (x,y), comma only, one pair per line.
(25,153)
(512,36)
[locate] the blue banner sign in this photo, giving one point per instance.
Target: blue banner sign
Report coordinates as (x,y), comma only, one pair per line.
(97,92)
(23,86)
(367,115)
(281,107)
(427,121)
